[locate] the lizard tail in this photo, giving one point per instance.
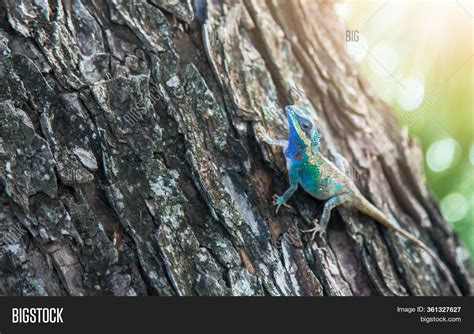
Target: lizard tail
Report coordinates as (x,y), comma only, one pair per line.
(369,209)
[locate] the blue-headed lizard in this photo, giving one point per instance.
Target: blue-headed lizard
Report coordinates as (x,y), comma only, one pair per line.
(320,178)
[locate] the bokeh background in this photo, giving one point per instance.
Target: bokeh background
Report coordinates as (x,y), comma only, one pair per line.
(419,57)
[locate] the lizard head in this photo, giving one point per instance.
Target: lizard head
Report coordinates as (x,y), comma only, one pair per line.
(301,128)
(301,132)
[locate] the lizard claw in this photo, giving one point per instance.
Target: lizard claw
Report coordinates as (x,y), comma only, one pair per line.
(317,229)
(279,201)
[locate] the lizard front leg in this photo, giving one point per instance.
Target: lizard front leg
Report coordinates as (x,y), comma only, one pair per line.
(281,200)
(270,141)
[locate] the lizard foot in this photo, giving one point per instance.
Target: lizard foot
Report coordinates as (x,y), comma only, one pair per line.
(317,229)
(279,201)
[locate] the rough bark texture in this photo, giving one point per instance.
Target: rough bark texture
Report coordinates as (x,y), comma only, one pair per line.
(131,164)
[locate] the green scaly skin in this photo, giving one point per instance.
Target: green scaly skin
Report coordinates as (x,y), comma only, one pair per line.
(320,178)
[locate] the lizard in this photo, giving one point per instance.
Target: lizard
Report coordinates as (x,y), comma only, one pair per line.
(326,181)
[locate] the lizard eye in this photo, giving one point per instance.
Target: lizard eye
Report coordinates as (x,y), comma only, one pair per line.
(305,126)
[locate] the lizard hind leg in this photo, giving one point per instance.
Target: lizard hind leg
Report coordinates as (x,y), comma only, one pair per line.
(323,222)
(270,141)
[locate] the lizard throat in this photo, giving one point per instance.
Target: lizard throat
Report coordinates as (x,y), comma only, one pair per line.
(297,149)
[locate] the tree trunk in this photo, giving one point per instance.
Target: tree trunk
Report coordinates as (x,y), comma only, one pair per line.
(131,162)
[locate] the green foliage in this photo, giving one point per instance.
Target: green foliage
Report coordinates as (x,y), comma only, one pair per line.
(418,57)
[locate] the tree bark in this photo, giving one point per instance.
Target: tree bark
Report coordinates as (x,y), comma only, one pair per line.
(131,162)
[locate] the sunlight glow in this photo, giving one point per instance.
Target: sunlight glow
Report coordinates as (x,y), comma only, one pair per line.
(441,154)
(410,93)
(343,9)
(454,207)
(358,49)
(384,60)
